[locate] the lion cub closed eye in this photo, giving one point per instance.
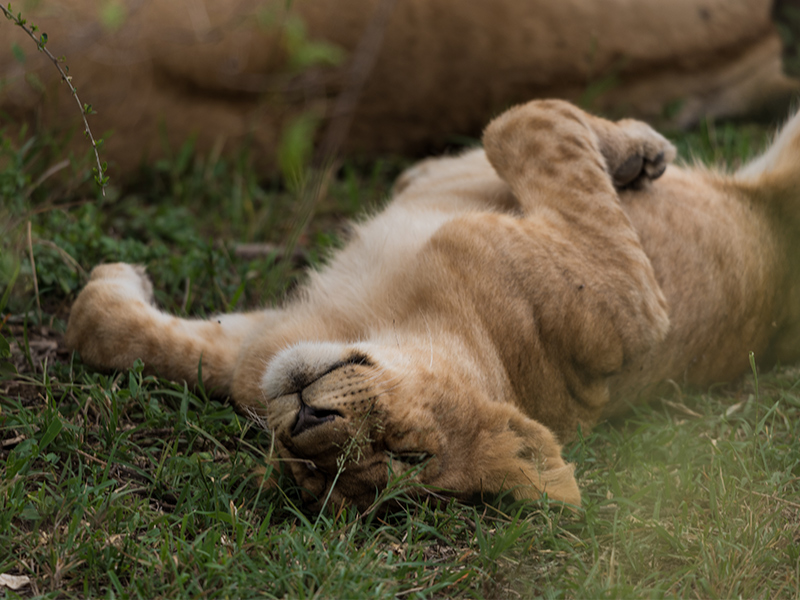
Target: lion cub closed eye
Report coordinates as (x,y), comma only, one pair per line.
(504,298)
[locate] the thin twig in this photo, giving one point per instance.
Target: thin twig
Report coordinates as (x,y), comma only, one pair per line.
(66,256)
(102,463)
(85,109)
(48,173)
(364,59)
(13,441)
(777,499)
(187,295)
(682,408)
(33,273)
(65,206)
(258,250)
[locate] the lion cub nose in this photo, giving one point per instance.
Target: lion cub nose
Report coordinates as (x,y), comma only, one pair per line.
(308,417)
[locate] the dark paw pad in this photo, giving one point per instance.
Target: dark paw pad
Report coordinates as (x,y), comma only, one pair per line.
(637,169)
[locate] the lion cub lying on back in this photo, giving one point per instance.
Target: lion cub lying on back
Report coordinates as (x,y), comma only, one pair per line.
(503,298)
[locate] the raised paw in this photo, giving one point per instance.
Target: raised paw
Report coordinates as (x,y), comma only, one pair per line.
(635,153)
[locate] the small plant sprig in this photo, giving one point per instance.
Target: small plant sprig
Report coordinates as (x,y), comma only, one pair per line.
(86,109)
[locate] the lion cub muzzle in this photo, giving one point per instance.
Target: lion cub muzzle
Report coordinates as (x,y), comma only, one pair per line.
(344,392)
(331,416)
(330,430)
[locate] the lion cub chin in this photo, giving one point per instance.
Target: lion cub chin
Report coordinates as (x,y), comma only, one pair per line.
(504,298)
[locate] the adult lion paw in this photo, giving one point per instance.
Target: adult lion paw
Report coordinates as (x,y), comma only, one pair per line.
(110,314)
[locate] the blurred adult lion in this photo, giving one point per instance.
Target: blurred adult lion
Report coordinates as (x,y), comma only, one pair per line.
(232,70)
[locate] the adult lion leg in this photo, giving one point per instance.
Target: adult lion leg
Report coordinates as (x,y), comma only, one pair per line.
(565,167)
(113,323)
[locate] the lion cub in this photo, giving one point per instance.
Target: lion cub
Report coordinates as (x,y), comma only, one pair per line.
(502,299)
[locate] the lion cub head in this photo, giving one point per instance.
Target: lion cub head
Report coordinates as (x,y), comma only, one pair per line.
(348,416)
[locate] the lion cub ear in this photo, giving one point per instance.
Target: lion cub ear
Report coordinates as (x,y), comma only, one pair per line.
(538,467)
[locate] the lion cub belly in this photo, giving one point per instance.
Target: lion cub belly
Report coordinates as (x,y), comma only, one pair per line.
(367,276)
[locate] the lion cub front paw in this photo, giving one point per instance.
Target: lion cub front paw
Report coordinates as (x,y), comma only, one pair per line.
(109,313)
(636,153)
(130,280)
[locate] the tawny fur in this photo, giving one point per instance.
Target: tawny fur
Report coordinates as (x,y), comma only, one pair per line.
(503,298)
(217,70)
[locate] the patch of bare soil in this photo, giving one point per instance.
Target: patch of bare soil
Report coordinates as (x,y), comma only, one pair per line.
(32,348)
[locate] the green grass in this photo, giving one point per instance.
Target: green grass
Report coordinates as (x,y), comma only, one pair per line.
(126,485)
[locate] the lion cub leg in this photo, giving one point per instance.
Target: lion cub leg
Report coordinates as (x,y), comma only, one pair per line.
(551,152)
(113,323)
(565,168)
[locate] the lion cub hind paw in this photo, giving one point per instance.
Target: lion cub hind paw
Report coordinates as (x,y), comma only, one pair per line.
(637,169)
(643,158)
